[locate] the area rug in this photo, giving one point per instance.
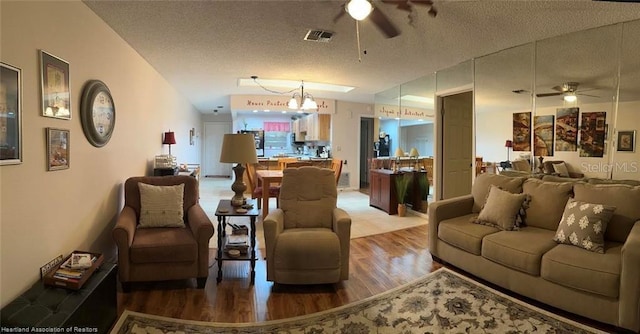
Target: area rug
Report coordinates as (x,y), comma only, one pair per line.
(442,302)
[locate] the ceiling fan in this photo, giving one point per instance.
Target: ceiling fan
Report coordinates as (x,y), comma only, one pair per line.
(568,89)
(361,9)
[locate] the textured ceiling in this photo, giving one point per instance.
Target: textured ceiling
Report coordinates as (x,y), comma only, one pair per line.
(203,47)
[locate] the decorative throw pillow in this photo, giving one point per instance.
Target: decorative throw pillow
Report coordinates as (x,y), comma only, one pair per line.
(161,206)
(561,169)
(501,209)
(584,224)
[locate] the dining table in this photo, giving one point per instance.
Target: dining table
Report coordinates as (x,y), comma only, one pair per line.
(265,179)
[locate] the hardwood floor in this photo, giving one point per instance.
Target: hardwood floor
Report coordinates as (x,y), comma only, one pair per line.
(378,263)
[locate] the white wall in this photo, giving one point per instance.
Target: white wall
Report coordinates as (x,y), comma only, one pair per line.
(419,136)
(44,214)
(345,136)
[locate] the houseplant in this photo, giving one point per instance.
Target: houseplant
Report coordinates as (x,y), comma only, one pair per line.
(423,184)
(402,186)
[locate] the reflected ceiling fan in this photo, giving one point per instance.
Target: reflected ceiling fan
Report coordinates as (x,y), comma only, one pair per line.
(569,90)
(362,9)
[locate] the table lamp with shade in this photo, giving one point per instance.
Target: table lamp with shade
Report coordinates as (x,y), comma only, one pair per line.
(169,139)
(239,149)
(398,154)
(508,144)
(414,154)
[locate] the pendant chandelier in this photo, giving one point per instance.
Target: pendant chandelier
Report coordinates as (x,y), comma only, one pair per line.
(302,101)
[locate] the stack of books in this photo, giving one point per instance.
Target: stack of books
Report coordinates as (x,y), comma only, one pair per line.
(75,267)
(238,239)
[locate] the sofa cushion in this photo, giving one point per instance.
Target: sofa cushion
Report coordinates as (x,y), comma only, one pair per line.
(608,181)
(584,224)
(307,249)
(553,178)
(521,165)
(580,269)
(521,250)
(480,188)
(461,232)
(501,209)
(546,203)
(161,206)
(624,197)
(163,245)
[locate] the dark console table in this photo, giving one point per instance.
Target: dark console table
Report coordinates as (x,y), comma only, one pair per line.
(93,308)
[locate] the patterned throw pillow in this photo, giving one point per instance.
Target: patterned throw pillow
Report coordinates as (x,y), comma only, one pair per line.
(501,209)
(583,224)
(161,206)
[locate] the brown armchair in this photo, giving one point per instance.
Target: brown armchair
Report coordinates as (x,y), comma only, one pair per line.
(162,253)
(307,238)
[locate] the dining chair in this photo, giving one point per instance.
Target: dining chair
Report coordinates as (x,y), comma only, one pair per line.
(336,166)
(256,189)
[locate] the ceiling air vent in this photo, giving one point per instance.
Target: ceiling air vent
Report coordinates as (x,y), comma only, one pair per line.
(318,36)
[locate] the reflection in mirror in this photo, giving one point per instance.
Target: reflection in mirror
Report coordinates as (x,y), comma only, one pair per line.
(455,77)
(576,70)
(503,86)
(626,155)
(417,115)
(387,113)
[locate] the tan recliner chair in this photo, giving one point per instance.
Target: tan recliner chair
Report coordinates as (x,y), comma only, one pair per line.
(307,238)
(162,253)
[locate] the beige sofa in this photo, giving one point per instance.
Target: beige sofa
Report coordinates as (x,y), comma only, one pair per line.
(604,287)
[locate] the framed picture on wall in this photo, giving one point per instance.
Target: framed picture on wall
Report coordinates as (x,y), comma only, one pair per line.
(58,151)
(626,141)
(54,84)
(10,115)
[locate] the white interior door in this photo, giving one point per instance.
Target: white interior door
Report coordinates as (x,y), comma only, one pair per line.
(213,134)
(457,150)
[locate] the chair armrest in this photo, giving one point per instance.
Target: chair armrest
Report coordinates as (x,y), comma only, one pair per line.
(342,223)
(443,210)
(200,224)
(273,225)
(630,276)
(202,230)
(342,227)
(122,234)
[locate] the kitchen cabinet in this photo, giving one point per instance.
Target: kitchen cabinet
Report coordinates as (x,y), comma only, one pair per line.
(318,127)
(298,135)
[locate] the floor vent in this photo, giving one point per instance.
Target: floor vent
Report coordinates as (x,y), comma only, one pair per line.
(344,180)
(318,36)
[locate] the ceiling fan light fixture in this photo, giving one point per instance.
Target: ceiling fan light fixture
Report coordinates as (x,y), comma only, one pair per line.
(571,97)
(359,9)
(293,102)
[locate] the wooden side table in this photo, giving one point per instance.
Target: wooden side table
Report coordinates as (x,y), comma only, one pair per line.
(223,211)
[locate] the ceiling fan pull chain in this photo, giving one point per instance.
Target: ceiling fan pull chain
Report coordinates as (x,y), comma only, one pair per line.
(358,39)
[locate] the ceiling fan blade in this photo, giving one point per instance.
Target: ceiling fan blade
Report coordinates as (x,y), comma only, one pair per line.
(382,22)
(587,95)
(549,94)
(340,14)
(400,4)
(558,88)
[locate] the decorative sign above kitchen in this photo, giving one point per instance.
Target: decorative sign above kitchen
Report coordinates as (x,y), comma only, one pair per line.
(275,103)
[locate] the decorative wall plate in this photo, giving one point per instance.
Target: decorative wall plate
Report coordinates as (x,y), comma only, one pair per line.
(97,113)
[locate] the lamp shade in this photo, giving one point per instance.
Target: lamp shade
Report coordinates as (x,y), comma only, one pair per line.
(508,143)
(238,148)
(399,153)
(414,152)
(169,138)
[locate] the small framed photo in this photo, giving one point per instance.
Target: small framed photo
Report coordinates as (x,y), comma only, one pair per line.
(58,151)
(627,141)
(54,81)
(10,115)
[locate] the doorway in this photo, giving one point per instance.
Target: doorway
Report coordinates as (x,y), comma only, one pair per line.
(456,144)
(366,149)
(213,134)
